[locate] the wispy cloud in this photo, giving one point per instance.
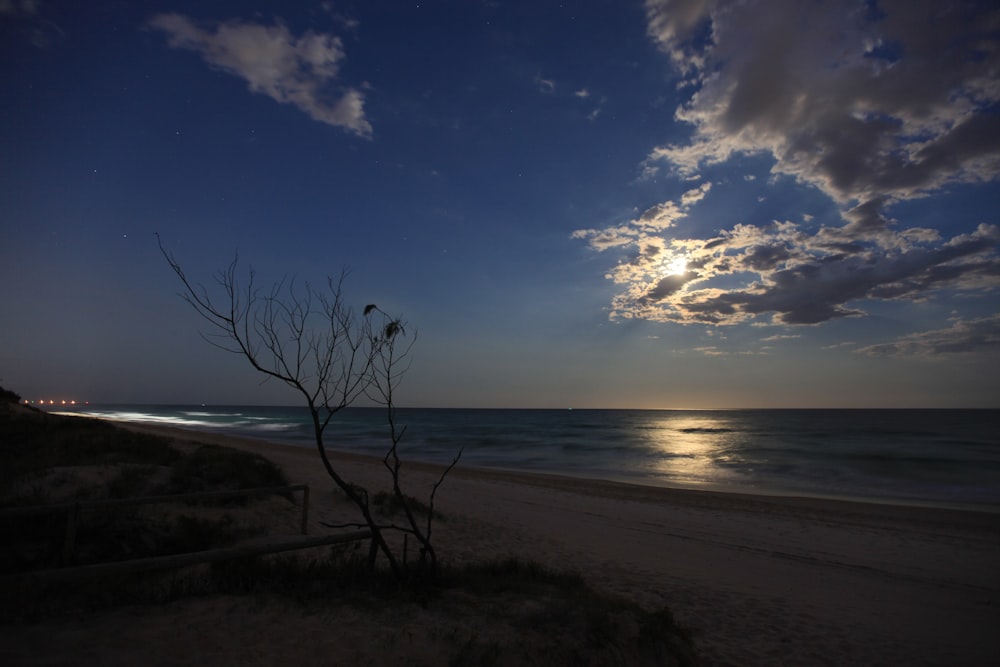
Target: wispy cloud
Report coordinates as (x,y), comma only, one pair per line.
(777,337)
(298,70)
(584,94)
(18,7)
(544,85)
(963,336)
(580,95)
(33,24)
(638,232)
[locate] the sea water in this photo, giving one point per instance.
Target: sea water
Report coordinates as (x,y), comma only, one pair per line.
(935,457)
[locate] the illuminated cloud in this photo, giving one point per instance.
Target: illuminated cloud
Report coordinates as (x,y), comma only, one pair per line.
(692,197)
(777,337)
(289,69)
(779,274)
(893,104)
(962,337)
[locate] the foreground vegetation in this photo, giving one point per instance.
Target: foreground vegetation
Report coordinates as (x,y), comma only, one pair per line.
(55,460)
(505,612)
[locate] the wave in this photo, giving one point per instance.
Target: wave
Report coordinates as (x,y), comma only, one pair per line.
(271,427)
(214,414)
(171,420)
(708,429)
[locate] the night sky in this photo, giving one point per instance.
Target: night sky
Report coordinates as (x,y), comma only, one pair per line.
(669,204)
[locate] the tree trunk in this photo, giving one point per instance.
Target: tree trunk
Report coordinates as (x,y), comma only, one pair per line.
(378,539)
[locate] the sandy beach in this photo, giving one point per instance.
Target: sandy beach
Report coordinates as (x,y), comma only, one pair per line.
(759,580)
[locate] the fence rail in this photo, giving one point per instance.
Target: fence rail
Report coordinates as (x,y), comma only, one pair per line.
(32,510)
(73,509)
(189,558)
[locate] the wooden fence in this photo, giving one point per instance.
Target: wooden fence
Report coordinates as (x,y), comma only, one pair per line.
(73,509)
(276,545)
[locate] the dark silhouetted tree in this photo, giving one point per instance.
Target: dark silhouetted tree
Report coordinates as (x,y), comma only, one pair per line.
(313,342)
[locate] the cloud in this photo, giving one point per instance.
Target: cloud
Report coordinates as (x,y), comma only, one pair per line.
(544,85)
(31,22)
(963,336)
(18,7)
(292,70)
(640,232)
(777,337)
(581,95)
(779,273)
(597,110)
(869,104)
(692,197)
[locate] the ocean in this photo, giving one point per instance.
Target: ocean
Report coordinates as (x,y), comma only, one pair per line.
(943,458)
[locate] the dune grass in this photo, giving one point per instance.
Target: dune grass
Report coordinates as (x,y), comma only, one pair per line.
(58,459)
(503,612)
(34,441)
(556,617)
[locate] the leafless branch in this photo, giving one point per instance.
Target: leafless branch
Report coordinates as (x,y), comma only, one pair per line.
(311,341)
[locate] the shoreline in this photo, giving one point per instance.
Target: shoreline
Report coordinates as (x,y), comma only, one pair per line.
(775,494)
(609,488)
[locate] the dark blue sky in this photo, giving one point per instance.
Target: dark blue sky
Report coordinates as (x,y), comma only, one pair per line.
(669,204)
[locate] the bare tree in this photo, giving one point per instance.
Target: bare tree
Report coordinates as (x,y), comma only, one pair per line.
(390,362)
(314,343)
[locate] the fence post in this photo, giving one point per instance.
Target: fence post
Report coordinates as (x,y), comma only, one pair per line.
(305,510)
(69,540)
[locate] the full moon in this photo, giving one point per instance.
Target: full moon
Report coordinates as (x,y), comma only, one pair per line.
(677,266)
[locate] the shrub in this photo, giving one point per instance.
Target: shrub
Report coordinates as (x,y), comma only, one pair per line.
(211,467)
(8,396)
